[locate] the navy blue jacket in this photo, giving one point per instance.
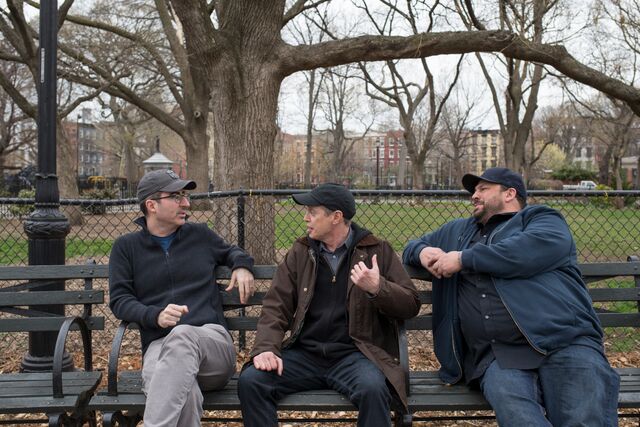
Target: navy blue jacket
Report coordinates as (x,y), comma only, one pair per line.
(531,259)
(143,279)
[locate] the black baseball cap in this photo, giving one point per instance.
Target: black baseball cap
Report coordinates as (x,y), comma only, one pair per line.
(332,196)
(502,176)
(162,180)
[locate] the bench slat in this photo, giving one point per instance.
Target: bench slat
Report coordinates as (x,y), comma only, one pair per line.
(44,324)
(8,299)
(45,272)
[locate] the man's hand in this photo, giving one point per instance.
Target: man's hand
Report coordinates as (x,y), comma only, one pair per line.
(242,278)
(171,315)
(367,279)
(428,257)
(447,265)
(268,361)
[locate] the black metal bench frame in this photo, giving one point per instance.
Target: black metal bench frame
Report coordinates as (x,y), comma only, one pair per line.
(123,402)
(62,396)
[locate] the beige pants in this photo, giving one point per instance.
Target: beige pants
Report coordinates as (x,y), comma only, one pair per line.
(177,367)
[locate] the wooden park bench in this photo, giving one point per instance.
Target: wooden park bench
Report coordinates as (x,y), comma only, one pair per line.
(123,401)
(62,396)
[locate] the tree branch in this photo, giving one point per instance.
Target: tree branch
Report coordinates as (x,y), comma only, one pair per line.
(297,8)
(376,48)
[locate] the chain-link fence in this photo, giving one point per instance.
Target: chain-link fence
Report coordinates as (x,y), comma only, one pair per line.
(606,227)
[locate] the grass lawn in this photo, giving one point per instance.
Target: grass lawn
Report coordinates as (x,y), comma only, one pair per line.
(602,234)
(14,251)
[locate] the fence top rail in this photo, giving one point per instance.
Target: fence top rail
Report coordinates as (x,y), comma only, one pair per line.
(356,192)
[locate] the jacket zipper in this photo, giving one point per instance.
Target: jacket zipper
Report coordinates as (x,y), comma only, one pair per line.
(295,335)
(524,334)
(455,355)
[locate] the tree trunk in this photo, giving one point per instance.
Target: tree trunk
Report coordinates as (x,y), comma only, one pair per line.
(66,171)
(244,104)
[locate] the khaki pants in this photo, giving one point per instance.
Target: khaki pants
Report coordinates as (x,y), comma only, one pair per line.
(177,367)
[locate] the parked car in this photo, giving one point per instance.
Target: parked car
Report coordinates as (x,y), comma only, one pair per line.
(584,185)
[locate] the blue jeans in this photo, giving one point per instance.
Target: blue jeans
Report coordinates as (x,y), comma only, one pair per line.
(574,386)
(354,376)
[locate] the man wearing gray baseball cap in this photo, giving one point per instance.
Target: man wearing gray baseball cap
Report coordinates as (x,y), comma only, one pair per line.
(162,278)
(511,313)
(339,292)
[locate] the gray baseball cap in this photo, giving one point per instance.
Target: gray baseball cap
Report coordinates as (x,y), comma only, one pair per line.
(162,180)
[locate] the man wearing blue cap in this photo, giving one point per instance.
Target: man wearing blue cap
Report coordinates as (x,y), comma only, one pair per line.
(339,292)
(511,313)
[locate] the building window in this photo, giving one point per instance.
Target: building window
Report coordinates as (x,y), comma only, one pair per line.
(392,154)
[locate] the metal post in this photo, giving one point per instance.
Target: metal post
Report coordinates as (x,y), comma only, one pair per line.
(78,148)
(46,227)
(377,166)
(240,202)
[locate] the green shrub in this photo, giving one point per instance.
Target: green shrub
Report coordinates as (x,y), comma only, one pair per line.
(22,211)
(97,194)
(573,173)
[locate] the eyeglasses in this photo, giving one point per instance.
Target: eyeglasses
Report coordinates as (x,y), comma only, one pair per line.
(177,197)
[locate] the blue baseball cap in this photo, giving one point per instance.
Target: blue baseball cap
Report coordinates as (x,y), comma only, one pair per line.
(502,176)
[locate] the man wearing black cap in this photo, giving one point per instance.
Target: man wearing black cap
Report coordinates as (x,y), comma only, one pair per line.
(338,291)
(162,278)
(511,313)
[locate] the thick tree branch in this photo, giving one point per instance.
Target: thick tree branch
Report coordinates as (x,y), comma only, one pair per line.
(377,48)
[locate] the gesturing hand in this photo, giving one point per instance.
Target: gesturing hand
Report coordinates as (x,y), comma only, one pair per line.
(171,315)
(243,279)
(367,279)
(268,361)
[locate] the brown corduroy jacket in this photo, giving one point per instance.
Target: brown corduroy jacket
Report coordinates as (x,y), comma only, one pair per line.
(372,320)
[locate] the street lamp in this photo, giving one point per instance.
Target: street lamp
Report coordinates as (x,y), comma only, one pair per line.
(46,227)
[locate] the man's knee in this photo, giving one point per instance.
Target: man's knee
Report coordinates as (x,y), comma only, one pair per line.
(252,381)
(372,385)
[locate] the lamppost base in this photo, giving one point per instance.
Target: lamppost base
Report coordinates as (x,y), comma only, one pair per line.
(32,363)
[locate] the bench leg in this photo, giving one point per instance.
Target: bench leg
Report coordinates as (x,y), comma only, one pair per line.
(402,420)
(111,419)
(58,420)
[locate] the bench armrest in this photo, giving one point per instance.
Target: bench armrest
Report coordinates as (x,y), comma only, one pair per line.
(403,352)
(114,355)
(59,351)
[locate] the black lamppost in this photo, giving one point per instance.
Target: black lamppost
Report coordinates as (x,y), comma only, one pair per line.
(46,227)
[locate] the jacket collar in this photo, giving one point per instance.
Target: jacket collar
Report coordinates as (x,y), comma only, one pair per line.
(142,222)
(361,237)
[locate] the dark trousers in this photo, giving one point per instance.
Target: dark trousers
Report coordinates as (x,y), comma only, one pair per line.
(354,376)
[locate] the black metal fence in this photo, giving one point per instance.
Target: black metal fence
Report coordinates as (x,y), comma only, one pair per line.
(606,226)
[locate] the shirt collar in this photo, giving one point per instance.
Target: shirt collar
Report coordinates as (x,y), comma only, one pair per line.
(346,244)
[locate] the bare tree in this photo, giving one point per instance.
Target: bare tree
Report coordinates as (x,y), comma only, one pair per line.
(459,116)
(394,89)
(17,131)
(123,132)
(340,102)
(306,32)
(19,45)
(528,19)
(134,50)
(624,17)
